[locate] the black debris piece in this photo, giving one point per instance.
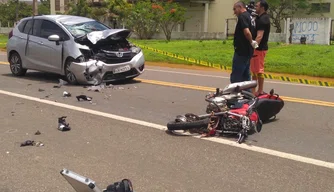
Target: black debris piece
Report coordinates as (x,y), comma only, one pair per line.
(41,90)
(37,132)
(84,97)
(62,124)
(66,94)
(27,143)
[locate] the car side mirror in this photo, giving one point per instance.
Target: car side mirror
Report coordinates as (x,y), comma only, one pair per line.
(55,38)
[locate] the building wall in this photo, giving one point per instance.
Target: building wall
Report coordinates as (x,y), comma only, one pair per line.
(219,11)
(195,17)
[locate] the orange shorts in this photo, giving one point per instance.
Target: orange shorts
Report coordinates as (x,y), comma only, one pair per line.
(257,62)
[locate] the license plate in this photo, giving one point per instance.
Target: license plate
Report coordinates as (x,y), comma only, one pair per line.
(122,69)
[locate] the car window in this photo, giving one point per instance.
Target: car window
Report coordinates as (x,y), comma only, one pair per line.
(20,27)
(49,28)
(27,27)
(37,27)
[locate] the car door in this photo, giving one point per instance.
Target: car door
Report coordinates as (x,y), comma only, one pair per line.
(34,45)
(47,54)
(24,28)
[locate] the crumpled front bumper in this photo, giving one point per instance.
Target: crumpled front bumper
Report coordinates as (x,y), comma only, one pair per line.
(96,72)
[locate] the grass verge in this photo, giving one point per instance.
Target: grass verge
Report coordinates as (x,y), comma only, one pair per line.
(308,60)
(3,42)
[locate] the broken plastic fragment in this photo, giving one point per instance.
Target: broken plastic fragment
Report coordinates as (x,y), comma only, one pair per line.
(96,88)
(39,144)
(40,90)
(61,83)
(84,97)
(62,124)
(66,94)
(37,132)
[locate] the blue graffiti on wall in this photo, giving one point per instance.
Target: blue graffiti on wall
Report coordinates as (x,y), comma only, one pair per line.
(308,29)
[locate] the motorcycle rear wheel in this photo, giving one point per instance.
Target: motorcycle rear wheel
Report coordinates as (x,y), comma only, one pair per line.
(197,124)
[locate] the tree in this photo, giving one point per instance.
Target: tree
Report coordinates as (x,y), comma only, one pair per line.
(81,8)
(280,10)
(13,11)
(169,14)
(44,7)
(142,19)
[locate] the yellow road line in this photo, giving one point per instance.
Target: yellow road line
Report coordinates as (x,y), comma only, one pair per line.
(213,89)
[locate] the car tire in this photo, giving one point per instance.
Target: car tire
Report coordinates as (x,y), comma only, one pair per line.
(69,76)
(15,64)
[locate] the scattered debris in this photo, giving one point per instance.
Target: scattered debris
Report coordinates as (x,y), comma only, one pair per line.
(62,124)
(47,96)
(12,113)
(92,103)
(40,90)
(120,87)
(37,132)
(7,152)
(84,97)
(66,94)
(31,143)
(27,143)
(98,88)
(39,144)
(61,83)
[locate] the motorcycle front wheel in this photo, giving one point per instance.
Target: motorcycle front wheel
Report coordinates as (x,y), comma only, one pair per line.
(197,124)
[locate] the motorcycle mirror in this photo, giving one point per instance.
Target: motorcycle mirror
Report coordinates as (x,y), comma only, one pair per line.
(217,91)
(272,92)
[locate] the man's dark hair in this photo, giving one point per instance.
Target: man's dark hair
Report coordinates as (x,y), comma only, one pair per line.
(264,4)
(241,4)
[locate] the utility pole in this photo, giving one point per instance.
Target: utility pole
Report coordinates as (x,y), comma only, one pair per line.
(52,7)
(34,7)
(17,10)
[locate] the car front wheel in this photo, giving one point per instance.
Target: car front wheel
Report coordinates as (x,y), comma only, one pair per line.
(70,77)
(15,64)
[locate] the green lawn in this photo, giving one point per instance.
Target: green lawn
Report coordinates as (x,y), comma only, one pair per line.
(311,60)
(3,41)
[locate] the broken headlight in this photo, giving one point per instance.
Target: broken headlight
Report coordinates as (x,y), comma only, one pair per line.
(135,50)
(87,54)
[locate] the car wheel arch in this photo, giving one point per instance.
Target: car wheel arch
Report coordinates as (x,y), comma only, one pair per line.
(10,54)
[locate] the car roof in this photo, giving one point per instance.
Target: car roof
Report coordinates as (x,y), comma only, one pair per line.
(64,19)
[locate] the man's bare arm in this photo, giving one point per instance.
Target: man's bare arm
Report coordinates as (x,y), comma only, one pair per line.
(248,35)
(259,36)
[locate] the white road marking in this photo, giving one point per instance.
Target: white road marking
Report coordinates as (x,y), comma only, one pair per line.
(222,77)
(289,156)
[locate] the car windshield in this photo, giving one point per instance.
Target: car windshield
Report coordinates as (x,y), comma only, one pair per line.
(81,29)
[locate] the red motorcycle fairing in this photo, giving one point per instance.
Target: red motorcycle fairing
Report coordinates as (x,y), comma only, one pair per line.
(269,105)
(242,111)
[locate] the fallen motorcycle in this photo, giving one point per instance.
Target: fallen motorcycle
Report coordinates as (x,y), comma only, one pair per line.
(232,110)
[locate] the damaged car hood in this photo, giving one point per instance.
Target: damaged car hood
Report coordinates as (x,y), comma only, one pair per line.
(97,36)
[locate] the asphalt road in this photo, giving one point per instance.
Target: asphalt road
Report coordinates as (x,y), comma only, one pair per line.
(106,150)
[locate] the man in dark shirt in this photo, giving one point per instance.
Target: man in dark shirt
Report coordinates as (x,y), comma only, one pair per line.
(243,44)
(261,37)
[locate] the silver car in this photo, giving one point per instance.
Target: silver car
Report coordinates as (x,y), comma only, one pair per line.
(82,49)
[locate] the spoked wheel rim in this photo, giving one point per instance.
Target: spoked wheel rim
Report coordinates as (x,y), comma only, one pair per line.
(69,75)
(15,64)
